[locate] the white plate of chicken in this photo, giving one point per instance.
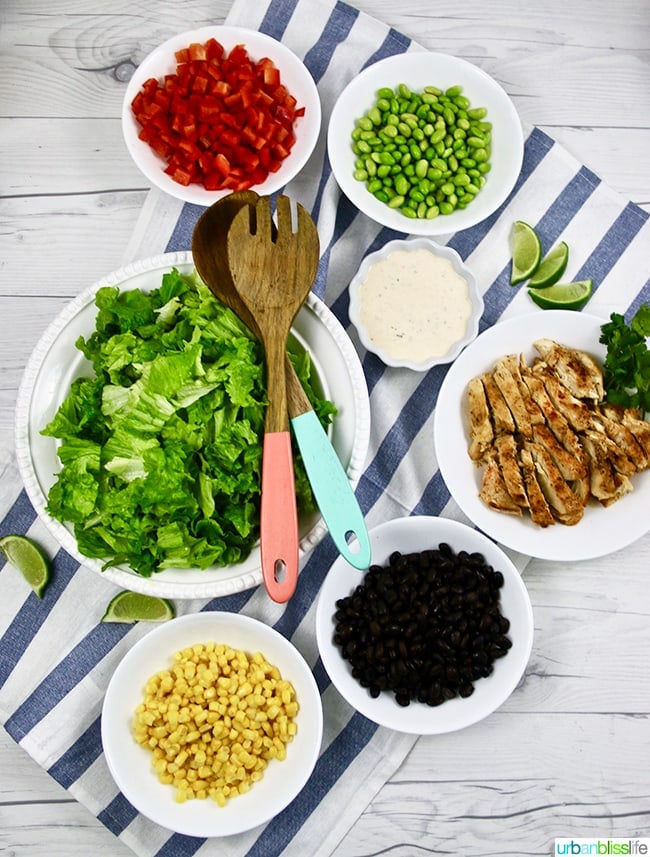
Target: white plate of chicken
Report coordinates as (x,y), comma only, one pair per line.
(529,448)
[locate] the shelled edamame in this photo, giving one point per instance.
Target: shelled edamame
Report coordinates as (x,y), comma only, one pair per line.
(423,153)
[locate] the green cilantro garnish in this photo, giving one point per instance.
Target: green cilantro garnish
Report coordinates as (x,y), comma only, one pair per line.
(627,364)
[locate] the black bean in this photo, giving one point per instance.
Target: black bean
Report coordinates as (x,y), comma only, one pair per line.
(424,627)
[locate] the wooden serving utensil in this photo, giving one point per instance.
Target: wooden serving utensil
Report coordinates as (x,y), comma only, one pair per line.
(273,271)
(329,481)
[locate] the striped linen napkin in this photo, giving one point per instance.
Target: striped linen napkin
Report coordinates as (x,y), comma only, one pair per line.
(56,656)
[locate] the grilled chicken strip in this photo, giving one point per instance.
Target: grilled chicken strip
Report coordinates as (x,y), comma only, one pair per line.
(506,382)
(565,506)
(576,412)
(494,492)
(577,370)
(607,485)
(556,422)
(501,416)
(624,439)
(508,459)
(540,512)
(481,433)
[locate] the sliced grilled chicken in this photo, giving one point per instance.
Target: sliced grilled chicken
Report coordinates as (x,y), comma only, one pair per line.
(481,433)
(540,512)
(554,419)
(576,412)
(494,492)
(501,416)
(623,437)
(508,459)
(571,467)
(607,485)
(506,382)
(639,428)
(566,507)
(548,440)
(577,370)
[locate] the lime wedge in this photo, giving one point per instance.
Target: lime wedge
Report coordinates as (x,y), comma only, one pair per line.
(563,295)
(526,252)
(29,559)
(551,267)
(132,607)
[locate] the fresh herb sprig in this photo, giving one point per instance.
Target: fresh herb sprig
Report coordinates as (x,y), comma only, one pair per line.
(626,372)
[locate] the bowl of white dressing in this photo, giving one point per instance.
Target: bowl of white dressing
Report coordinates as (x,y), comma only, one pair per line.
(415,304)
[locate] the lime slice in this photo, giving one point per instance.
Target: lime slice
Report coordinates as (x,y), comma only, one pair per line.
(29,559)
(526,252)
(563,295)
(551,267)
(132,607)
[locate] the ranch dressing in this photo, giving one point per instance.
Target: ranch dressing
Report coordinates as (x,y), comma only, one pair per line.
(414,305)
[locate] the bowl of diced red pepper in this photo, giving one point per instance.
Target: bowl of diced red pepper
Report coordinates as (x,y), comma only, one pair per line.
(220,109)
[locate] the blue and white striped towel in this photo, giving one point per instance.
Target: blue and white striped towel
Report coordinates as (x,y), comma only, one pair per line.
(56,656)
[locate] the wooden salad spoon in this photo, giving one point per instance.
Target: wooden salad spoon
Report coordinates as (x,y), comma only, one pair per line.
(273,270)
(329,481)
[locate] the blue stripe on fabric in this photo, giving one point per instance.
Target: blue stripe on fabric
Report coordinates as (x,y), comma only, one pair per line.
(333,762)
(118,814)
(434,497)
(310,581)
(566,205)
(336,30)
(181,237)
(179,845)
(278,15)
(642,298)
(536,146)
(65,677)
(229,603)
(394,43)
(31,616)
(559,214)
(610,248)
(79,757)
(18,519)
(399,438)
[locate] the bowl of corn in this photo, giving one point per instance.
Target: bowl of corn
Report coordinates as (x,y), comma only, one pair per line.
(211,724)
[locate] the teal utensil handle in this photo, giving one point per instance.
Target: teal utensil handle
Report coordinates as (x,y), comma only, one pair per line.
(334,494)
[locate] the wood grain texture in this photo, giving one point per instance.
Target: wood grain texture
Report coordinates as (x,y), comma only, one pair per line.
(567,755)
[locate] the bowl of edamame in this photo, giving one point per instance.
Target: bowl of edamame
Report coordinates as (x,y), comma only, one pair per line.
(425,143)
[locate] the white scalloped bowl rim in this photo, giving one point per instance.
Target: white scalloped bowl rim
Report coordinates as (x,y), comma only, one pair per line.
(442,251)
(293,73)
(338,369)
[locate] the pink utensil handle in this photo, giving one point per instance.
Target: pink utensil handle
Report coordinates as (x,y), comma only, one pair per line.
(278,518)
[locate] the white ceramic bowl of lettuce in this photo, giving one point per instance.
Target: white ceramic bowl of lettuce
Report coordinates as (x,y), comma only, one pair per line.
(55,363)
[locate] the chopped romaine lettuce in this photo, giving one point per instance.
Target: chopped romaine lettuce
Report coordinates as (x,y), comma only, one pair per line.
(161,448)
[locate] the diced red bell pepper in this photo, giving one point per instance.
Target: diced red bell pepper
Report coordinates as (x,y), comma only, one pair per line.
(220,119)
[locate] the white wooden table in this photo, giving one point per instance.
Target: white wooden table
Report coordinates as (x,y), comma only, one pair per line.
(570,756)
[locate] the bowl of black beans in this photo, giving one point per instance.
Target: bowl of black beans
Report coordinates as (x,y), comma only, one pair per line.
(435,635)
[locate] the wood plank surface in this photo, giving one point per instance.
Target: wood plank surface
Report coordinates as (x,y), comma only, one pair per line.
(568,754)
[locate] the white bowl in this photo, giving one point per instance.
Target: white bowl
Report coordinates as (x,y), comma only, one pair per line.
(473,295)
(414,534)
(294,75)
(417,70)
(130,763)
(55,363)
